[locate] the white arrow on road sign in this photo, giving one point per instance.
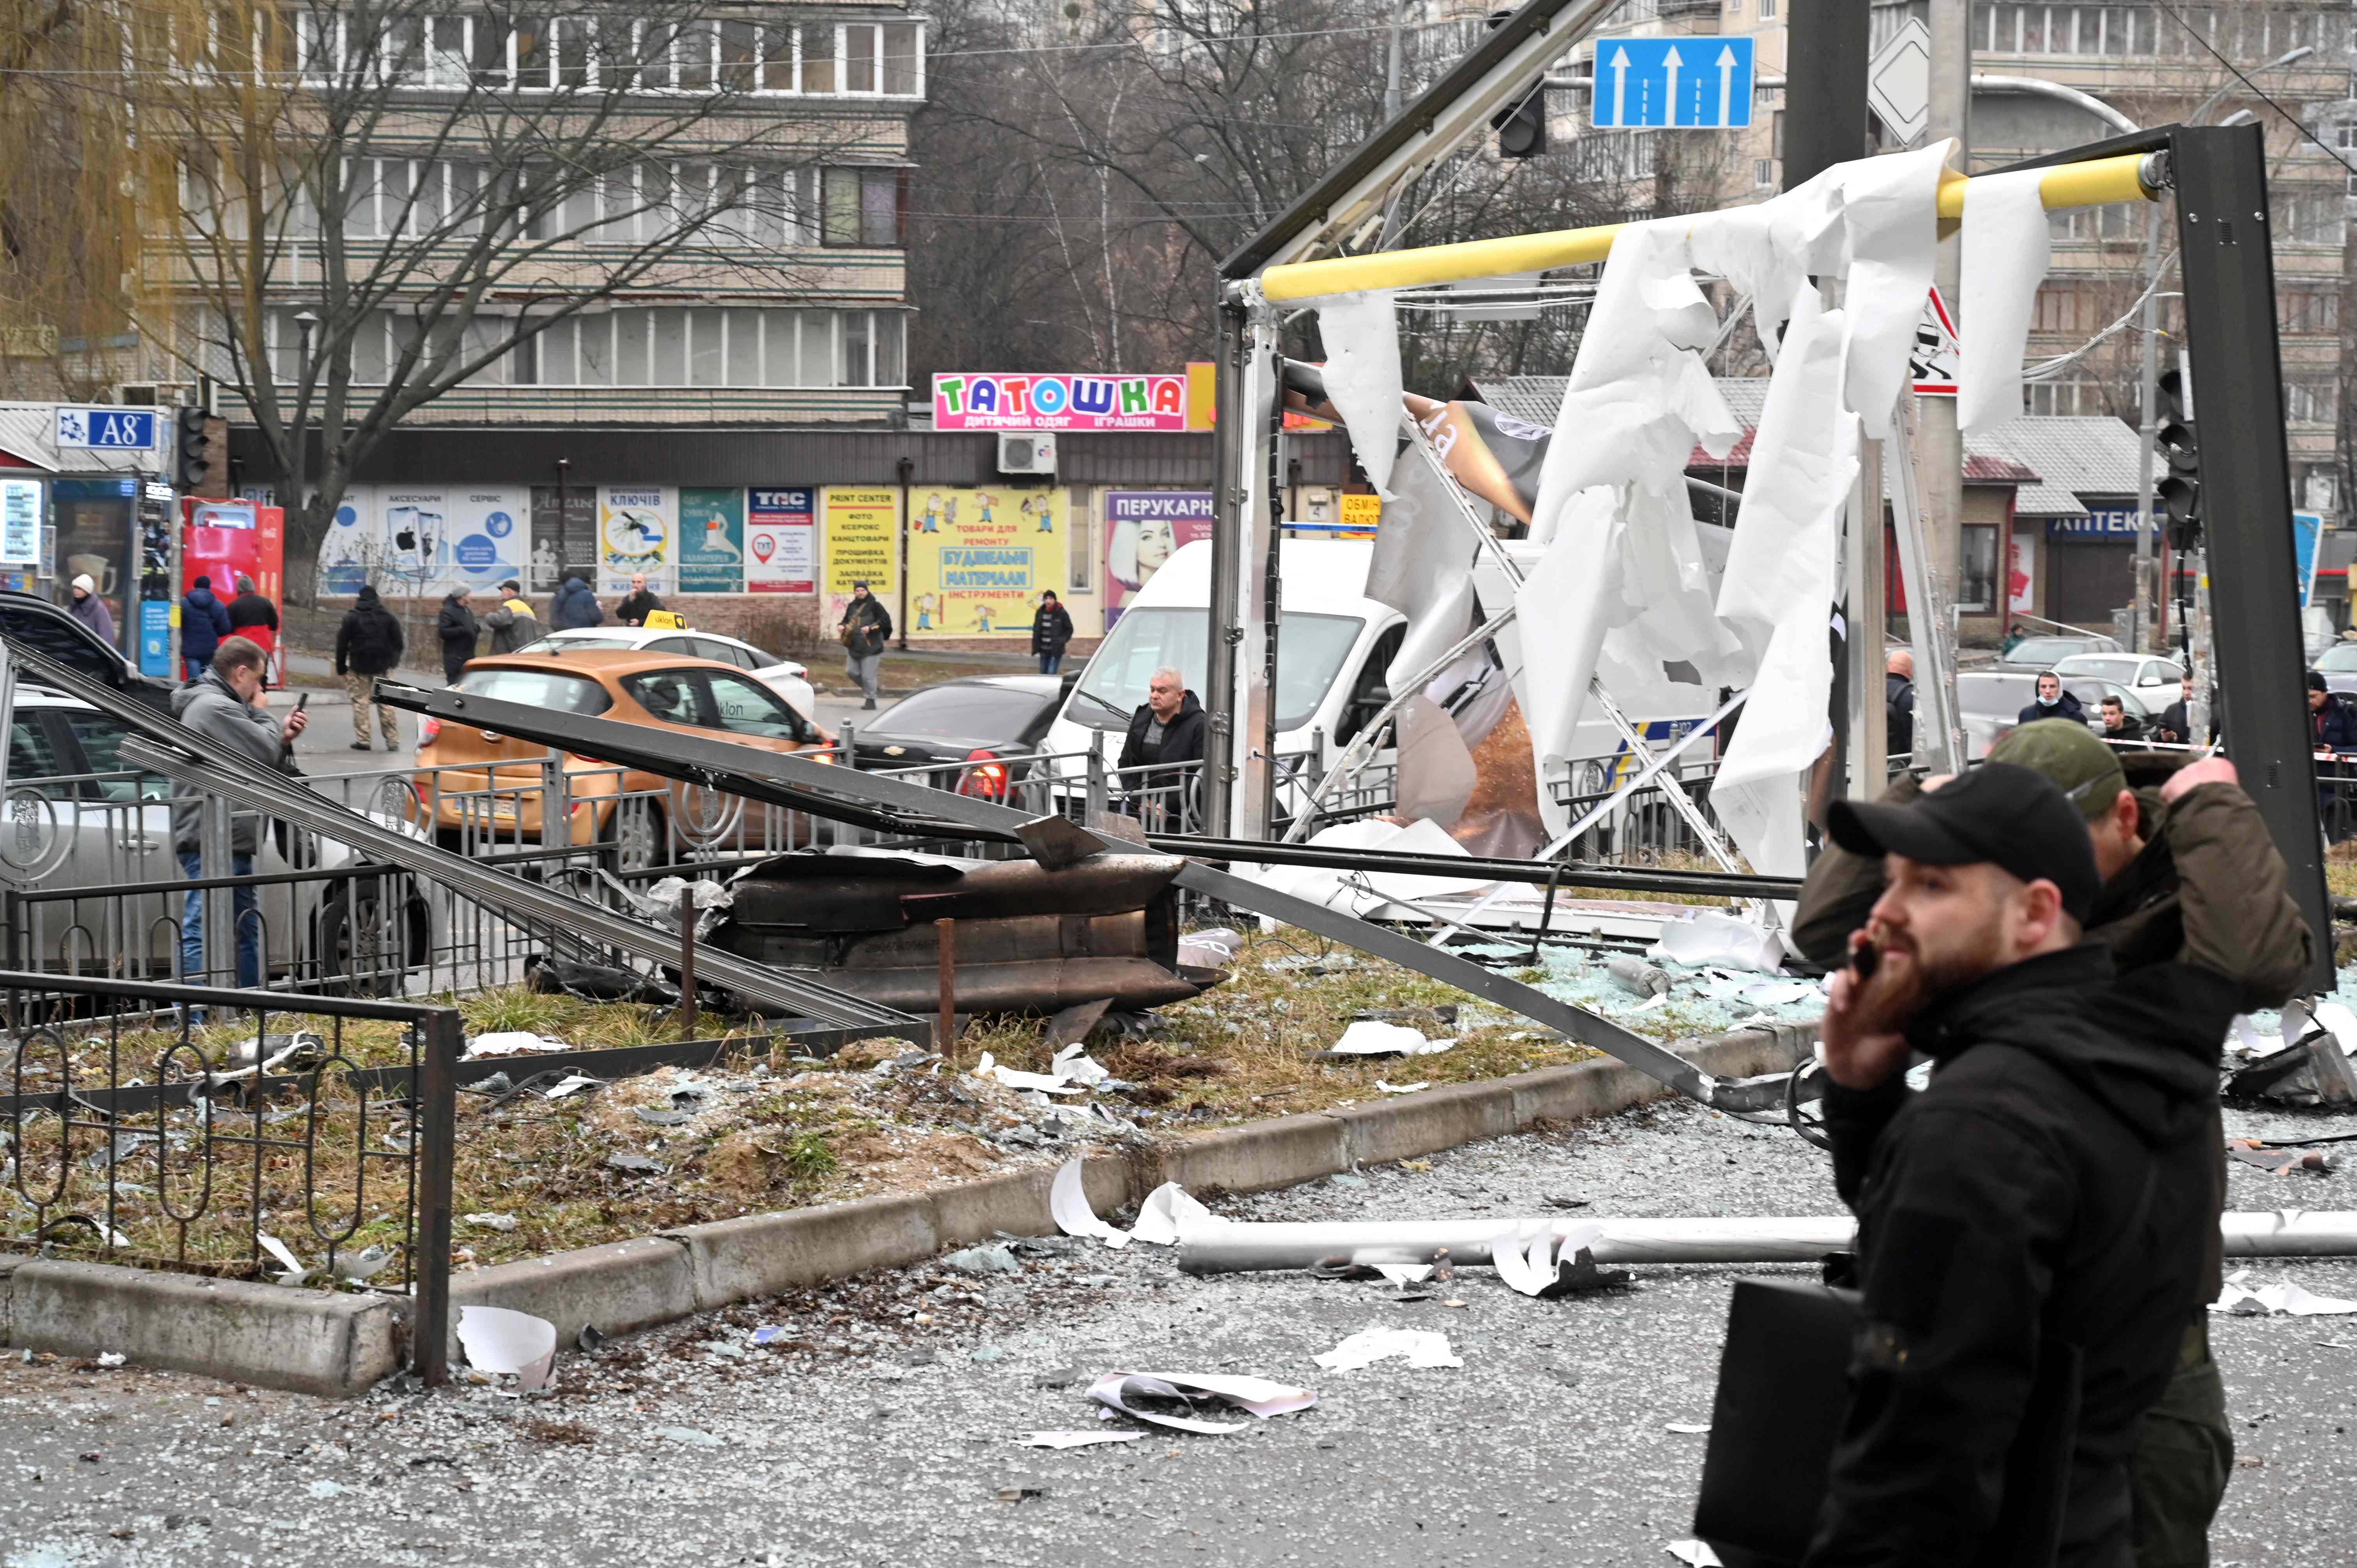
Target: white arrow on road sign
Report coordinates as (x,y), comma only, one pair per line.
(1726,83)
(1671,61)
(1620,86)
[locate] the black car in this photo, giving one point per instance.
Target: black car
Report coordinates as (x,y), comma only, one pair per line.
(47,629)
(977,723)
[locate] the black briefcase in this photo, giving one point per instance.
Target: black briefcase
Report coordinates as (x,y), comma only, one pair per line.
(1783,1392)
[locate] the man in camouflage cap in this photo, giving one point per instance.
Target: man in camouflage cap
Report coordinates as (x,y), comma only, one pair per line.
(2189,874)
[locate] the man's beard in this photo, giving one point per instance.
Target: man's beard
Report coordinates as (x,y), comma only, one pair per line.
(1956,965)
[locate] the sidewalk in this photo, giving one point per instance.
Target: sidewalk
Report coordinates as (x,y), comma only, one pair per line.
(317,668)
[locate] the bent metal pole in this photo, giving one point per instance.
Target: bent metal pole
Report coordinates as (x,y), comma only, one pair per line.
(1226,1246)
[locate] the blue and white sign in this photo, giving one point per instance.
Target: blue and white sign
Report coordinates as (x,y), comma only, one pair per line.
(1693,79)
(2102,522)
(107,429)
(2306,528)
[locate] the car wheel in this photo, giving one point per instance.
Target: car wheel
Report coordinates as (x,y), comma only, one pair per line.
(361,952)
(636,833)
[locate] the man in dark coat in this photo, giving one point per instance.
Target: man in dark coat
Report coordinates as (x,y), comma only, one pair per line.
(1051,629)
(575,606)
(368,644)
(2331,716)
(2175,726)
(1166,733)
(864,628)
(1898,703)
(2052,703)
(634,610)
(457,631)
(2191,876)
(204,621)
(253,617)
(2050,1190)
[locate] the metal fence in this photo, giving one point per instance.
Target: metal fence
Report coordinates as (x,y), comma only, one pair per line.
(1643,827)
(237,1134)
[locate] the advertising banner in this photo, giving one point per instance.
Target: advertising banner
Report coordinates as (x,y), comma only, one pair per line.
(487,532)
(561,543)
(20,521)
(988,400)
(861,543)
(635,527)
(1141,529)
(978,559)
(781,542)
(712,540)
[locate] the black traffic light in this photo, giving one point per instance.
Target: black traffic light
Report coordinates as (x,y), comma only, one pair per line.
(2179,491)
(193,449)
(1521,130)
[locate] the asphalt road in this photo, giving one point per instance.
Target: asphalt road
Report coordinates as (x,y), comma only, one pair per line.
(891,1439)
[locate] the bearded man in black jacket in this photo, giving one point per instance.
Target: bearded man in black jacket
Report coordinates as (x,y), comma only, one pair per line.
(2051,1189)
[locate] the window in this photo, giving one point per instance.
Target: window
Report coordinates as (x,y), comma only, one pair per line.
(558,690)
(904,63)
(2308,309)
(1767,10)
(2310,402)
(1309,647)
(745,706)
(857,370)
(1977,589)
(859,58)
(32,759)
(860,206)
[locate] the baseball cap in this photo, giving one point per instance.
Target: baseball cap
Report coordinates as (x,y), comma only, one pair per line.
(2087,771)
(2000,813)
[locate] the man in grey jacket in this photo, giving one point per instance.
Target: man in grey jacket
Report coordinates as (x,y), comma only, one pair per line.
(513,625)
(225,705)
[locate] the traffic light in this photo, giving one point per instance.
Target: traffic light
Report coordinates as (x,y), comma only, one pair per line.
(2179,491)
(193,449)
(1521,130)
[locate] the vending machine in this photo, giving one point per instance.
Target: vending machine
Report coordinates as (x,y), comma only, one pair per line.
(223,541)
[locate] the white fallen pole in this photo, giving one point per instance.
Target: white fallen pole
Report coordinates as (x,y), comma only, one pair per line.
(1222,1247)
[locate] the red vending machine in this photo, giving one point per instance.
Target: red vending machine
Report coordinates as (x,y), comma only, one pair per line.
(223,541)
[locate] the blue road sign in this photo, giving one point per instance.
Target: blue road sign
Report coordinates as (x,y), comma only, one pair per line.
(1695,79)
(107,428)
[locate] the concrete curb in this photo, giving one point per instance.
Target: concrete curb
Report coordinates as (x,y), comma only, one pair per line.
(316,1342)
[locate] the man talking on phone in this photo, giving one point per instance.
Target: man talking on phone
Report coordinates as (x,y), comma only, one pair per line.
(226,705)
(2033,1226)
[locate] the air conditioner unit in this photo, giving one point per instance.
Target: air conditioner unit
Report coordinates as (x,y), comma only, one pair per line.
(136,394)
(1027,452)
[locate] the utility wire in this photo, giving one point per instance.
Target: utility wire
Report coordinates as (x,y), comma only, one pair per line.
(2195,34)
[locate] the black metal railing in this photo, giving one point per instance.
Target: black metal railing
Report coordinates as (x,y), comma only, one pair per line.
(247,1134)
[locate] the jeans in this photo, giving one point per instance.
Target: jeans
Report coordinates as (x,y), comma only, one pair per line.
(864,671)
(1050,662)
(247,919)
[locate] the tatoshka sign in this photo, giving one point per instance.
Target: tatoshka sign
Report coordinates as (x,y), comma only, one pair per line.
(990,401)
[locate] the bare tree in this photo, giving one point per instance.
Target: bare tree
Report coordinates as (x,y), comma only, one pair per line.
(383,202)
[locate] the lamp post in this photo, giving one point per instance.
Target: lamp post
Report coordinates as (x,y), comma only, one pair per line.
(905,467)
(563,522)
(307,323)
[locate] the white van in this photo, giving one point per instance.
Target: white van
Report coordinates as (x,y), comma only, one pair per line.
(1333,645)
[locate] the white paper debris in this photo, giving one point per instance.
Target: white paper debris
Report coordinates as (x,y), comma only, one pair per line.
(1711,937)
(111,1359)
(1695,1553)
(1401,1088)
(1422,1347)
(2246,1300)
(1166,1211)
(1257,1397)
(511,1042)
(1215,948)
(1691,1429)
(1404,1273)
(295,1273)
(573,1084)
(500,1222)
(1361,334)
(1068,1201)
(501,1340)
(1013,1078)
(2007,246)
(1372,1037)
(1073,1439)
(2340,1022)
(1072,1063)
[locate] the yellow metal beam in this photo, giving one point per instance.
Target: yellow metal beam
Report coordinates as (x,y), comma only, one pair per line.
(2090,184)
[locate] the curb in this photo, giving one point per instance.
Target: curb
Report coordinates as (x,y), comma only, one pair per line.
(316,1342)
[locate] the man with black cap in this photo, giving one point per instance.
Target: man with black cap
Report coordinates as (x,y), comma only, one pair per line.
(2189,874)
(2043,1202)
(866,627)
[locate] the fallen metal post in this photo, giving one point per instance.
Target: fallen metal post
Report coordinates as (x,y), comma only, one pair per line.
(1223,1246)
(438,1042)
(945,933)
(687,913)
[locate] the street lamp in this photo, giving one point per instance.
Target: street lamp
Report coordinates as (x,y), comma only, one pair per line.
(306,322)
(563,531)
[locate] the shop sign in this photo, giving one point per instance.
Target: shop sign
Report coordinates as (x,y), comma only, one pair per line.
(990,401)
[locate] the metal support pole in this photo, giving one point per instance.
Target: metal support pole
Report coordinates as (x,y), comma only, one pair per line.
(1867,754)
(1254,631)
(1099,796)
(442,1036)
(219,905)
(556,803)
(688,963)
(2144,638)
(1940,743)
(1232,442)
(2245,486)
(945,935)
(1939,444)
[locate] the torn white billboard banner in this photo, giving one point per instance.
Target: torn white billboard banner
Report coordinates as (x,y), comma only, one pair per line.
(1421,563)
(499,1341)
(1360,332)
(1420,1348)
(1890,216)
(1256,1397)
(1068,1204)
(2007,246)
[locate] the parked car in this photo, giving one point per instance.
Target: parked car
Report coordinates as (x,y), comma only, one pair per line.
(978,722)
(1991,700)
(2139,671)
(2046,652)
(784,676)
(49,629)
(78,817)
(2338,667)
(478,788)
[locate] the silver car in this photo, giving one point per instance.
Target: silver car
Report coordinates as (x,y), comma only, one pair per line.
(2137,671)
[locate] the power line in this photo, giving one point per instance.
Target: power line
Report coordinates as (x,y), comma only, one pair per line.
(2195,34)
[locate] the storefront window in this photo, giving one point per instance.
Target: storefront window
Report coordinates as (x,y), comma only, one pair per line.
(95,537)
(1977,590)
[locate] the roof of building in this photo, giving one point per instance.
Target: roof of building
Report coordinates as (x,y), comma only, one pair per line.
(2052,460)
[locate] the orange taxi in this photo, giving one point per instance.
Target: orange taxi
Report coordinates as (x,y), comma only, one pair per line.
(480,787)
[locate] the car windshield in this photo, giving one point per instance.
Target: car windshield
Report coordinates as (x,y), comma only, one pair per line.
(2341,659)
(1998,696)
(2046,650)
(101,737)
(702,698)
(1309,652)
(554,689)
(992,714)
(565,642)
